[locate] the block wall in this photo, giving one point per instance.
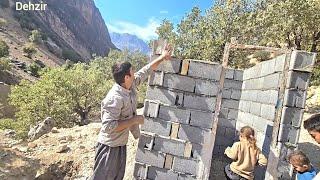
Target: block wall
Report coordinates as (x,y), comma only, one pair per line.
(180,106)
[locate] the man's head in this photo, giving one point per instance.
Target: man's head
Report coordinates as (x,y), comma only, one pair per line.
(123,74)
(312,125)
(299,161)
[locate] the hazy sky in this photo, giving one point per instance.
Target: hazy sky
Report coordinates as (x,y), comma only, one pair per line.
(142,17)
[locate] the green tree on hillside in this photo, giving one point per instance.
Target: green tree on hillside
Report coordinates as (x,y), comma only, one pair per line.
(35,36)
(29,49)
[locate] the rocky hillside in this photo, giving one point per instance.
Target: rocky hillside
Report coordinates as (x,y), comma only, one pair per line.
(72,25)
(130,42)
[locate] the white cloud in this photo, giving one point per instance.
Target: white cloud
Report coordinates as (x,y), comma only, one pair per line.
(164,12)
(146,32)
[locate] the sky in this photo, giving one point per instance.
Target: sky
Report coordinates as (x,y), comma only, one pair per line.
(142,17)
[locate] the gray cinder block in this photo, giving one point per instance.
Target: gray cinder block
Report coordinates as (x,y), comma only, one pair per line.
(295,98)
(179,82)
(230,103)
(156,78)
(232,84)
(199,102)
(146,141)
(205,70)
(140,171)
(171,146)
(185,165)
(238,75)
(292,116)
(172,66)
(161,174)
(268,111)
(202,119)
(302,61)
(206,87)
(174,114)
(157,126)
(194,134)
(298,80)
(152,158)
(164,96)
(151,108)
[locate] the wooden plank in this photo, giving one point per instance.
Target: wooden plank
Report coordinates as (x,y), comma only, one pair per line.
(185,67)
(168,161)
(187,149)
(174,130)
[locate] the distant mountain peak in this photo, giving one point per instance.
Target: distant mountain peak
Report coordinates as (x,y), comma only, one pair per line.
(129,41)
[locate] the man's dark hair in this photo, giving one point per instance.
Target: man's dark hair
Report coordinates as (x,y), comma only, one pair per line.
(312,123)
(297,157)
(120,70)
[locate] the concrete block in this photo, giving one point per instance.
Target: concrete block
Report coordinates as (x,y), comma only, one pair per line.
(255,108)
(161,174)
(194,134)
(267,67)
(151,109)
(206,87)
(185,165)
(230,103)
(140,171)
(164,96)
(171,146)
(246,95)
(230,123)
(229,73)
(253,72)
(146,141)
(272,81)
(186,177)
(175,81)
(268,97)
(292,116)
(226,93)
(224,112)
(156,126)
(185,67)
(235,94)
(174,114)
(298,80)
(268,111)
(232,84)
(152,158)
(201,119)
(302,61)
(205,70)
(199,102)
(288,133)
(156,78)
(172,66)
(238,75)
(280,61)
(233,114)
(295,98)
(197,151)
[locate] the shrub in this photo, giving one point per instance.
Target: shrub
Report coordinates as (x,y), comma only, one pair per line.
(35,37)
(70,54)
(4,49)
(29,49)
(34,68)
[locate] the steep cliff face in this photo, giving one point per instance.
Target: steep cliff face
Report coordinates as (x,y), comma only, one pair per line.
(73,25)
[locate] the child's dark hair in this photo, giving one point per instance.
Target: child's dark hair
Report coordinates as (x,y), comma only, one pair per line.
(312,123)
(120,70)
(297,157)
(248,133)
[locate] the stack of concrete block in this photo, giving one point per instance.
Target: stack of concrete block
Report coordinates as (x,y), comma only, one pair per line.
(298,73)
(179,111)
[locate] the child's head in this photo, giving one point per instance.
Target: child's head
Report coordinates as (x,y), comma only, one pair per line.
(312,125)
(299,161)
(247,133)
